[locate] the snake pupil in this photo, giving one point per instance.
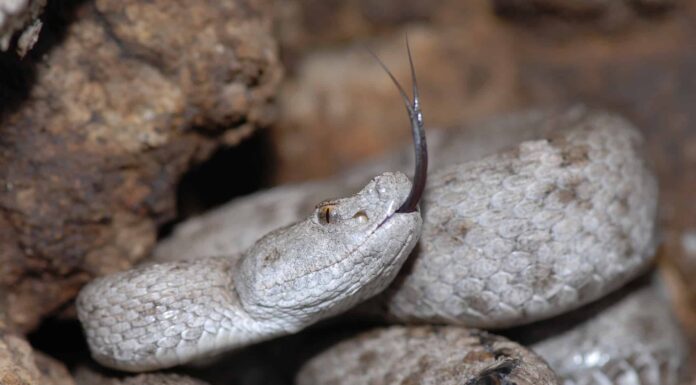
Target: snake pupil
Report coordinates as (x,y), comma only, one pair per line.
(325,214)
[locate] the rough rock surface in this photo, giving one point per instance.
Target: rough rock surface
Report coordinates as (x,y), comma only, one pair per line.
(16,15)
(426,355)
(341,106)
(20,365)
(86,376)
(110,119)
(608,10)
(53,372)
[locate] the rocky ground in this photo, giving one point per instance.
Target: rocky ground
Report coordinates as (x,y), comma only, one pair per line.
(128,116)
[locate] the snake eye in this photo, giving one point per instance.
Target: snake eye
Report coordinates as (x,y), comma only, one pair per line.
(327,214)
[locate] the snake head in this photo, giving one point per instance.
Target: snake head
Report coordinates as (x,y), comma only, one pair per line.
(347,250)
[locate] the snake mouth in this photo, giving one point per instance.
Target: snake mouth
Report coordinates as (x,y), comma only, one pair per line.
(391,213)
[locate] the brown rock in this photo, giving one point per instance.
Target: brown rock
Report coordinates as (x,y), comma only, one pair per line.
(16,16)
(560,17)
(19,365)
(132,96)
(308,24)
(342,107)
(86,376)
(52,371)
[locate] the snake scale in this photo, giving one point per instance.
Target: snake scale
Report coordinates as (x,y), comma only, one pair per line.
(556,211)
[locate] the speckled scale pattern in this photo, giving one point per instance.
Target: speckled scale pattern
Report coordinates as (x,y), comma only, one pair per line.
(233,228)
(426,355)
(133,319)
(634,341)
(587,219)
(534,231)
(161,315)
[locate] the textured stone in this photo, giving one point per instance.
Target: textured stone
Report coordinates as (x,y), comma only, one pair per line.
(20,365)
(341,106)
(85,376)
(16,15)
(592,9)
(110,119)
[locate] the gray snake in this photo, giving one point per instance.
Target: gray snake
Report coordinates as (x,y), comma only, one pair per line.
(532,231)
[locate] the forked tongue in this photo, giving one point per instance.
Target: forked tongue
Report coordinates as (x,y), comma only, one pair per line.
(421,149)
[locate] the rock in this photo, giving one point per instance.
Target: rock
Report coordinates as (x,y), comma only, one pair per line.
(53,372)
(109,120)
(562,18)
(19,365)
(86,376)
(580,8)
(15,15)
(342,107)
(304,25)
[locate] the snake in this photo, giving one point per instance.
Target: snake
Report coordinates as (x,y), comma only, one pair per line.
(553,214)
(611,341)
(346,251)
(167,314)
(561,213)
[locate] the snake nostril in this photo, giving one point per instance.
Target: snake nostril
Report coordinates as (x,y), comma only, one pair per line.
(361,216)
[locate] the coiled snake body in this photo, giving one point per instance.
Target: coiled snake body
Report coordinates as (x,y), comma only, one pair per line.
(167,314)
(534,230)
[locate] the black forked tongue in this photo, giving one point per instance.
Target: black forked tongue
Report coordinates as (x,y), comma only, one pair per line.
(421,149)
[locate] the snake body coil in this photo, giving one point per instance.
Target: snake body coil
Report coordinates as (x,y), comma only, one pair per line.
(558,210)
(560,214)
(500,249)
(166,314)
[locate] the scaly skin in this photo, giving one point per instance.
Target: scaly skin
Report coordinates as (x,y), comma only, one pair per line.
(590,231)
(521,235)
(162,315)
(629,338)
(537,229)
(533,231)
(426,355)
